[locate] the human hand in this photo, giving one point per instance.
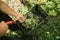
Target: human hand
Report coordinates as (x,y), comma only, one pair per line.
(3,28)
(20,17)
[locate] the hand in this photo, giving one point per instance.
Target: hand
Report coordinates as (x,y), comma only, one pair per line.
(20,17)
(3,28)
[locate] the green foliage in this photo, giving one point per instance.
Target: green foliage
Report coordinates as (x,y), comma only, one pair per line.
(16,33)
(50,5)
(57,1)
(47,6)
(31,20)
(53,13)
(48,31)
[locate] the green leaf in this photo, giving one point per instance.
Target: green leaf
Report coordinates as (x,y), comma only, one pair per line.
(59,9)
(57,1)
(52,13)
(44,7)
(58,6)
(50,4)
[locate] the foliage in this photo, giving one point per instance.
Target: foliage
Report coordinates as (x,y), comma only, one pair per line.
(48,31)
(31,20)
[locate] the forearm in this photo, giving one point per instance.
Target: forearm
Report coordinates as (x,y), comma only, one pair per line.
(6,9)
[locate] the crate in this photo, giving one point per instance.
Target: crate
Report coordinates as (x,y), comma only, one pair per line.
(37,10)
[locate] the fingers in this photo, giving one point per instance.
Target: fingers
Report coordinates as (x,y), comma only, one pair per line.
(3,24)
(20,18)
(3,28)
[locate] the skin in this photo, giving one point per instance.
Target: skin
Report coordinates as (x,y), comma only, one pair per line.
(3,28)
(6,9)
(42,1)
